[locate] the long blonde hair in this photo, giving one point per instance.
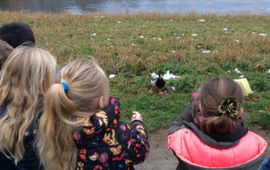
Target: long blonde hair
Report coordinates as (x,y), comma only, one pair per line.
(25,77)
(87,82)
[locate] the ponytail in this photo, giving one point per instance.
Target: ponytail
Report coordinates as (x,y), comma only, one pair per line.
(55,143)
(77,96)
(220,124)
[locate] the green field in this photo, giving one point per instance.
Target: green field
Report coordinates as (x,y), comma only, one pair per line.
(195,47)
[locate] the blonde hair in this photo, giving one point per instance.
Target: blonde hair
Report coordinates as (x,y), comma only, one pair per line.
(25,77)
(87,82)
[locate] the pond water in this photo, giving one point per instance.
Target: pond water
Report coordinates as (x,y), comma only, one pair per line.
(133,6)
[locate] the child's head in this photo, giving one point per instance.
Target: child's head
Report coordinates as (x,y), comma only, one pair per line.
(25,77)
(5,50)
(220,103)
(88,85)
(84,90)
(16,33)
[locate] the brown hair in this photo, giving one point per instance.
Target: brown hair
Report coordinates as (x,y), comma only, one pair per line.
(86,83)
(25,77)
(5,50)
(212,94)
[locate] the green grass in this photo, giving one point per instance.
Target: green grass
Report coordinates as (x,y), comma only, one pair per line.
(132,46)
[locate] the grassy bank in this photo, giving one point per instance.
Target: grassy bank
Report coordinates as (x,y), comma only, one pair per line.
(191,46)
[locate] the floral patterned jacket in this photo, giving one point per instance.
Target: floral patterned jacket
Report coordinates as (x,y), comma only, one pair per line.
(106,144)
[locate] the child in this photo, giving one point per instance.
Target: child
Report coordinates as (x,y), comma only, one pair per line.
(16,33)
(25,77)
(210,133)
(79,130)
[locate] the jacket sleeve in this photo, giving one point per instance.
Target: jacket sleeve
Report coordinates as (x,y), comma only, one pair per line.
(265,164)
(138,144)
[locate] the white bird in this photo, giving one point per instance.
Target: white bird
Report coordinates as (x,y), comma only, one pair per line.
(169,76)
(153,78)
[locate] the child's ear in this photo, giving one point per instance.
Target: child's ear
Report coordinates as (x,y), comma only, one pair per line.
(240,112)
(101,102)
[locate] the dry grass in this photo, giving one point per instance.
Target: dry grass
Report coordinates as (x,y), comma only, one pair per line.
(150,39)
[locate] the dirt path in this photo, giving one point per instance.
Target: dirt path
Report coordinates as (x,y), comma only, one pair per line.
(265,134)
(161,159)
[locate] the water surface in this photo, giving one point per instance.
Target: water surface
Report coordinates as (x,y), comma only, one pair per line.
(132,6)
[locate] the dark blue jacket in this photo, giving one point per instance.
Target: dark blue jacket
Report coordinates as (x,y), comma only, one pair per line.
(265,165)
(30,161)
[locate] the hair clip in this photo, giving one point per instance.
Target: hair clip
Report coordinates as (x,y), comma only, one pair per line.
(230,106)
(65,85)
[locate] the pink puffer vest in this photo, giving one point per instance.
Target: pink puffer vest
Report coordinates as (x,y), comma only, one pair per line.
(190,149)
